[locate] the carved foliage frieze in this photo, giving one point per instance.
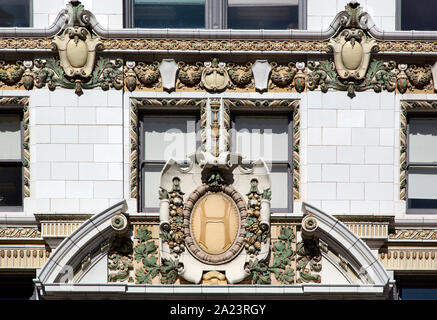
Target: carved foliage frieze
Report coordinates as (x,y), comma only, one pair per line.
(216,76)
(283,263)
(142,75)
(174,233)
(256,233)
(146,252)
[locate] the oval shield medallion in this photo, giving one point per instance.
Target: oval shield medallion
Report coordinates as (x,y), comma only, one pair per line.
(215,223)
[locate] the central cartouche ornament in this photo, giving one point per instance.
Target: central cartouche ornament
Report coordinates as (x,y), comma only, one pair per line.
(352,50)
(77,51)
(215,223)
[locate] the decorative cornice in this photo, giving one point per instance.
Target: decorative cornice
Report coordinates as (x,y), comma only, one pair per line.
(54,217)
(213,45)
(364,218)
(224,46)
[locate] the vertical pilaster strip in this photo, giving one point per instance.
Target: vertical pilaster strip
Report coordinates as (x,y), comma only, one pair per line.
(296,150)
(215,126)
(403,151)
(26,151)
(226,127)
(134,148)
(203,126)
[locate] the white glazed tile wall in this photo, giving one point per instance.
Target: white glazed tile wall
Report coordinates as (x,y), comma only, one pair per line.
(351,162)
(76,143)
(109,13)
(321,13)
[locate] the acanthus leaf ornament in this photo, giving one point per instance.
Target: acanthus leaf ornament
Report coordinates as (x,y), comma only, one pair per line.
(380,76)
(106,74)
(282,265)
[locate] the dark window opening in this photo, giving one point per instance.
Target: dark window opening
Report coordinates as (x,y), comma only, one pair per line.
(417,286)
(17,286)
(169,14)
(263,17)
(11,186)
(15,13)
(11,165)
(418,15)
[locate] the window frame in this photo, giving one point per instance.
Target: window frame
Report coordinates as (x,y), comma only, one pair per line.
(216,12)
(143,113)
(288,163)
(15,162)
(417,115)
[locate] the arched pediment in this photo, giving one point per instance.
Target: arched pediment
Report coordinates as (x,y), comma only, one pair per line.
(83,249)
(343,248)
(346,266)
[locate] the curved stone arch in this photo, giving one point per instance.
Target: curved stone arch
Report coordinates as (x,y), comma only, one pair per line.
(83,242)
(356,252)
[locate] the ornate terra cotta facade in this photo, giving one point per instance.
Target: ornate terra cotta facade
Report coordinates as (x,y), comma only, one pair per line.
(84,230)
